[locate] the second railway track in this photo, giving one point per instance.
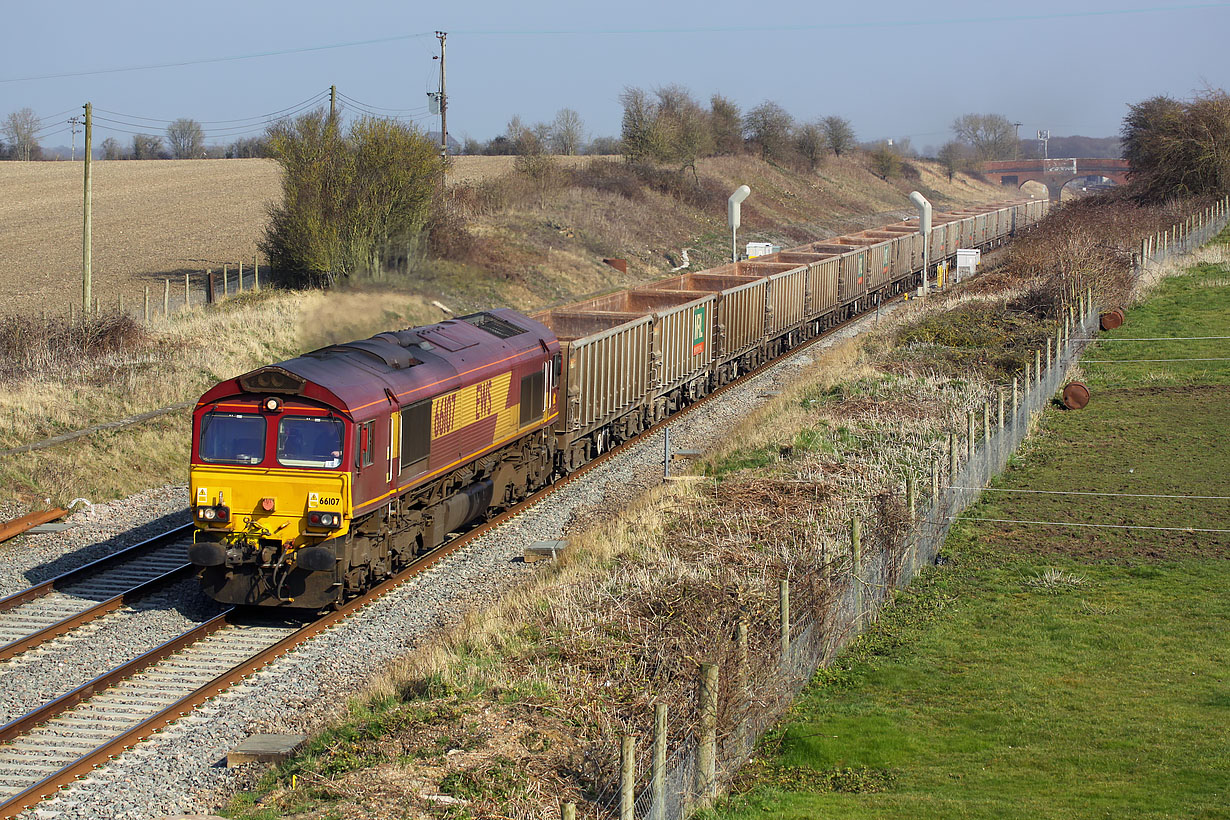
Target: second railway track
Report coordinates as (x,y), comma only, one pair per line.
(66,602)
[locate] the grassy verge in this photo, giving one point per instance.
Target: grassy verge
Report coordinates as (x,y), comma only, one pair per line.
(1050,671)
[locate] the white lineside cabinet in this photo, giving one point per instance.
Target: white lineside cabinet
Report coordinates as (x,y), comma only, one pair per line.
(967,262)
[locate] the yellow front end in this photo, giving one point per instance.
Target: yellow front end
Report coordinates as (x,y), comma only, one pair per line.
(271,537)
(270,504)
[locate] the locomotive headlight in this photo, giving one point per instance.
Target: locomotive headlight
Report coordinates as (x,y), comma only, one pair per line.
(209,513)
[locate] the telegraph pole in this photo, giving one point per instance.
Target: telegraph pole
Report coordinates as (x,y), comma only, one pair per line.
(442,36)
(332,102)
(86,226)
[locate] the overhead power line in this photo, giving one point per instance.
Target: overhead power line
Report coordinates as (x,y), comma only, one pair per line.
(316,98)
(880,23)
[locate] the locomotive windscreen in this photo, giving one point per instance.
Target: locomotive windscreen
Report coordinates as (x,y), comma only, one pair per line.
(232,438)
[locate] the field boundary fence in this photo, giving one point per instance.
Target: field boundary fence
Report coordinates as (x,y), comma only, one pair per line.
(170,295)
(744,690)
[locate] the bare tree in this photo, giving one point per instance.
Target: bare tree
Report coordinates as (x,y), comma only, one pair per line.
(1179,148)
(146,146)
(726,123)
(838,134)
(567,132)
(524,139)
(638,132)
(769,126)
(954,156)
(992,136)
(21,127)
(186,139)
(809,141)
(112,149)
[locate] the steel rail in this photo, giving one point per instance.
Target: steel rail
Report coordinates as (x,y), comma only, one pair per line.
(31,796)
(84,571)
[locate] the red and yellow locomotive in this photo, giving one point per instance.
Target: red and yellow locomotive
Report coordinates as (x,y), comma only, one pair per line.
(314,478)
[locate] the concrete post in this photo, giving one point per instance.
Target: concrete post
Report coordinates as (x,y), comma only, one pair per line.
(969,438)
(783,611)
(657,777)
(856,569)
(706,750)
(952,459)
(1000,392)
(911,493)
(568,811)
(1037,368)
(145,313)
(187,291)
(166,298)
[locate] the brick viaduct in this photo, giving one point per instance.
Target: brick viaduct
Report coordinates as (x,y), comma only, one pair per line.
(1054,173)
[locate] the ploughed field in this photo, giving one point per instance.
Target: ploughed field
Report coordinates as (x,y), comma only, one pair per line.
(151,220)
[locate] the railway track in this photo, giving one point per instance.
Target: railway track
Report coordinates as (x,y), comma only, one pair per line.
(60,605)
(63,740)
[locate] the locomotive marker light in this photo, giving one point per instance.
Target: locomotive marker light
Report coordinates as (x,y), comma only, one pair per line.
(924,228)
(273,405)
(733,212)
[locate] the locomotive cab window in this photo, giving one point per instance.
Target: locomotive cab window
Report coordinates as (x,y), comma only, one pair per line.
(415,436)
(232,438)
(532,397)
(309,442)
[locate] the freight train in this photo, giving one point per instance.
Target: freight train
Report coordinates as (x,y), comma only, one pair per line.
(313,479)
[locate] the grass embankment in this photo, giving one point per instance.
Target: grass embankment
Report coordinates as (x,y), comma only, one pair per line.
(1052,671)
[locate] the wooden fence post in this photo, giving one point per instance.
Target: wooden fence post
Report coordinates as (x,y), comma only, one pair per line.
(119,304)
(1037,367)
(706,750)
(741,676)
(1000,392)
(627,778)
(145,313)
(226,287)
(568,811)
(657,777)
(256,273)
(187,291)
(239,279)
(166,298)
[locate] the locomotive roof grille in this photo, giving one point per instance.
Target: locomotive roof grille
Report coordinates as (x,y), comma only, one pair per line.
(494,325)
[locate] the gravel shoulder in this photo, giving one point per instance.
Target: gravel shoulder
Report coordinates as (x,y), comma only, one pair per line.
(182,769)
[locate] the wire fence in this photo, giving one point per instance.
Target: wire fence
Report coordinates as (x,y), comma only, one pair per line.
(752,681)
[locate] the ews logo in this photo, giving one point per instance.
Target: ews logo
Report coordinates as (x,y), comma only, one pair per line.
(482,401)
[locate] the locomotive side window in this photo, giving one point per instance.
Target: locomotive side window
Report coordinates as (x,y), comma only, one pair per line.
(232,438)
(364,453)
(531,397)
(415,436)
(309,442)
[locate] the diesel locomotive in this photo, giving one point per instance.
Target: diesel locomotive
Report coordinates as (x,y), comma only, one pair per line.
(315,478)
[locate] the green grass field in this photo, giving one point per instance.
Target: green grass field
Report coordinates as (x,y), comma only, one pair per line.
(1052,671)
